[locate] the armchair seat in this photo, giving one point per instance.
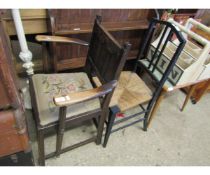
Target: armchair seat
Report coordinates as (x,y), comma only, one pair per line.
(47,86)
(130,91)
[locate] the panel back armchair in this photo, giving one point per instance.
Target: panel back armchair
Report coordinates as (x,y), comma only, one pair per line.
(63,99)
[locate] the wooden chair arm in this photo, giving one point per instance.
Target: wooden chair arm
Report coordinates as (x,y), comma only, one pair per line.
(60,39)
(78,97)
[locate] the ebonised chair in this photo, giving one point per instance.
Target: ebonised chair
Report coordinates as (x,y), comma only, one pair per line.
(133,100)
(63,99)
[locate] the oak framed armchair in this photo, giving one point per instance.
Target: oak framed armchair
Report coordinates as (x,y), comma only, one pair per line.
(63,99)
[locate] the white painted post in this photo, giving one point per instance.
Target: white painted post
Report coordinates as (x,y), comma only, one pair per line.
(25,55)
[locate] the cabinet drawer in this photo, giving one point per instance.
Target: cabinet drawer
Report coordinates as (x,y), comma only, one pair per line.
(7,121)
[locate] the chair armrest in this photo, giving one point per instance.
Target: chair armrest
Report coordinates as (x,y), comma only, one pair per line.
(78,97)
(60,39)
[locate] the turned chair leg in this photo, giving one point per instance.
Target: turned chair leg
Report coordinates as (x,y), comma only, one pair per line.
(41,159)
(61,129)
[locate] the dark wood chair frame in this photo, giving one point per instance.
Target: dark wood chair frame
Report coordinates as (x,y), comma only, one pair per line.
(104,52)
(154,24)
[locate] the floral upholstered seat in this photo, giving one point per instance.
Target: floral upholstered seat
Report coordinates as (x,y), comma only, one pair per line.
(46,86)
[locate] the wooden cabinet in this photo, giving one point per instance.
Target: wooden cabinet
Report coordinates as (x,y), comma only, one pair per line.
(13,130)
(8,87)
(4,102)
(126,25)
(12,138)
(34,21)
(75,21)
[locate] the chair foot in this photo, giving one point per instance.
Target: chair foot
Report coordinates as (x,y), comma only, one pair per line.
(104,145)
(109,128)
(145,125)
(108,132)
(41,162)
(193,101)
(98,141)
(145,129)
(57,156)
(100,129)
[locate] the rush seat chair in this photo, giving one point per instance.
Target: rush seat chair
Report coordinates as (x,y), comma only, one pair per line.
(133,100)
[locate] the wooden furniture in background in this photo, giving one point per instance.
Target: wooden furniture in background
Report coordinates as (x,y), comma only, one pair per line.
(57,100)
(124,24)
(182,15)
(13,129)
(34,22)
(200,89)
(196,91)
(204,87)
(167,88)
(203,15)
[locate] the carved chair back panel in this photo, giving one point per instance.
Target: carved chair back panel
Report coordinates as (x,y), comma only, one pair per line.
(105,54)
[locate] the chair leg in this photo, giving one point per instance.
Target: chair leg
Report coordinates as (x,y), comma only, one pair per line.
(145,124)
(100,129)
(156,106)
(61,128)
(192,88)
(109,128)
(41,159)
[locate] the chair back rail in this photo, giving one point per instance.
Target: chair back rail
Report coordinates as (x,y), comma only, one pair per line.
(169,31)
